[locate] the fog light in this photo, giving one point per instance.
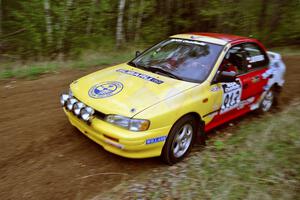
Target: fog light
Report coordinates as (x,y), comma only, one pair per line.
(90,110)
(77,107)
(70,103)
(85,115)
(63,99)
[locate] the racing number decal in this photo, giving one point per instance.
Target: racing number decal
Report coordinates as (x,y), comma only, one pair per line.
(231,96)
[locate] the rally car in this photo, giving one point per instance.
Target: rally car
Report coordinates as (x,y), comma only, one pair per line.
(167,97)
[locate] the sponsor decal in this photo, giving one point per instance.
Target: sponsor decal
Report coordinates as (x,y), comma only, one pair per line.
(231,96)
(257,58)
(139,75)
(190,41)
(106,89)
(215,88)
(155,140)
(254,106)
(246,102)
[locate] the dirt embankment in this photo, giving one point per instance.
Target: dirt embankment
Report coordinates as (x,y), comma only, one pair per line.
(43,157)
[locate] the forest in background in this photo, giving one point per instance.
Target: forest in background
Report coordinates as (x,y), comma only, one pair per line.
(60,29)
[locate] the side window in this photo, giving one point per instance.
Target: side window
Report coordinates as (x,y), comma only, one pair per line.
(235,60)
(255,56)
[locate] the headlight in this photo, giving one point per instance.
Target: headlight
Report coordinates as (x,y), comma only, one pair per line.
(63,99)
(77,107)
(86,113)
(70,103)
(139,124)
(128,123)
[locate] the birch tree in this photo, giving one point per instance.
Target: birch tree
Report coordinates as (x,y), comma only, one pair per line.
(119,28)
(48,22)
(139,21)
(130,21)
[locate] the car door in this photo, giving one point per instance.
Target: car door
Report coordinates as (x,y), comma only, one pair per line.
(249,62)
(252,81)
(231,92)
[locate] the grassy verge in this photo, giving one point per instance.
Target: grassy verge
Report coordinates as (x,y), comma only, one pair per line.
(88,59)
(258,160)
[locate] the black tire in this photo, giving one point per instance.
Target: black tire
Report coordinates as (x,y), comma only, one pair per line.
(168,155)
(277,91)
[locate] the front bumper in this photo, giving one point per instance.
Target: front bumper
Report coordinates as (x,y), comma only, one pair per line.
(120,141)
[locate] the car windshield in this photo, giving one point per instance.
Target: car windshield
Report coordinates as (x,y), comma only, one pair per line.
(179,58)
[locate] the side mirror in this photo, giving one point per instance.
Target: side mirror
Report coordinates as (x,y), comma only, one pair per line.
(226,77)
(137,53)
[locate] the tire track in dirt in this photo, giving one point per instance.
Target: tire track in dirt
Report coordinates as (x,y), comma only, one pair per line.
(43,157)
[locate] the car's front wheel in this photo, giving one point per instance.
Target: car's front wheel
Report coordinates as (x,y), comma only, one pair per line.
(180,140)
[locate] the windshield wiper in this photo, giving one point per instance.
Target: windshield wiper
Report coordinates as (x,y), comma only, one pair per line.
(156,69)
(133,64)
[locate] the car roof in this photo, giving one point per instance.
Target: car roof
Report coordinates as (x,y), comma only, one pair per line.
(216,38)
(227,37)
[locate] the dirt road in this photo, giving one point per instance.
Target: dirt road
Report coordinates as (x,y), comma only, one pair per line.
(43,157)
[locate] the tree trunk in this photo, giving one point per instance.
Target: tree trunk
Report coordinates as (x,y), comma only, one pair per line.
(0,24)
(119,28)
(130,21)
(63,29)
(139,21)
(262,16)
(1,17)
(276,15)
(48,22)
(91,17)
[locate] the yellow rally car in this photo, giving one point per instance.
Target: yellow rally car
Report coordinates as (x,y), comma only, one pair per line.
(159,103)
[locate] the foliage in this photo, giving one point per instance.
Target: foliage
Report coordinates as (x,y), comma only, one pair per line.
(69,26)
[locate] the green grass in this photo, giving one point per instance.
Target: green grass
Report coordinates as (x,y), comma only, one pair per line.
(259,159)
(31,71)
(88,59)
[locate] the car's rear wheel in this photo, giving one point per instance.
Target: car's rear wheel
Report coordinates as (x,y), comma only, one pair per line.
(180,140)
(269,101)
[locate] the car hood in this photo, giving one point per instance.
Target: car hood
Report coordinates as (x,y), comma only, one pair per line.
(125,90)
